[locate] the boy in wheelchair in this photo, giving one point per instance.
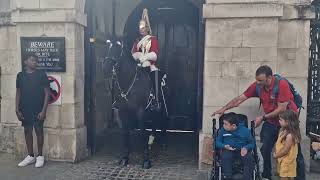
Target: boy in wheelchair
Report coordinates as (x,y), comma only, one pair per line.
(235,142)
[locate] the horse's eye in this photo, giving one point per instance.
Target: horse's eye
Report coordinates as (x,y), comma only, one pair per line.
(119,43)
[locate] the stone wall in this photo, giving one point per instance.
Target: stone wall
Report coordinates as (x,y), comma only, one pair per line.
(4,5)
(241,35)
(65,132)
(9,66)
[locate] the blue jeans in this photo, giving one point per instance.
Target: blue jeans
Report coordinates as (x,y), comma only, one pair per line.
(269,135)
(227,160)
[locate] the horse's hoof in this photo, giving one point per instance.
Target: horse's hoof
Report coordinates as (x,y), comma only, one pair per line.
(123,162)
(146,164)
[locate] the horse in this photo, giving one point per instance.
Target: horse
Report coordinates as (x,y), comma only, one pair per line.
(131,89)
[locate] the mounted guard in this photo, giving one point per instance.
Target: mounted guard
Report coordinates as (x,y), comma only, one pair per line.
(146,50)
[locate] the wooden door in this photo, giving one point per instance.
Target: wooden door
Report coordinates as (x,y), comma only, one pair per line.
(178,52)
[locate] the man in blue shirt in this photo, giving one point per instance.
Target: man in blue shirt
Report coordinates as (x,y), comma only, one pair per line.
(235,140)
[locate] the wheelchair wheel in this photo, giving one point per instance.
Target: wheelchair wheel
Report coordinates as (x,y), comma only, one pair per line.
(216,173)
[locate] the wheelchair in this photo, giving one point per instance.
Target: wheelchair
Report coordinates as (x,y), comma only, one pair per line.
(216,172)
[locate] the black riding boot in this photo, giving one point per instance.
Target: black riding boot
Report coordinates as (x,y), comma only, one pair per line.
(155,86)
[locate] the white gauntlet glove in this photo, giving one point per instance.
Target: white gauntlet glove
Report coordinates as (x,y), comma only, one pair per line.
(146,64)
(152,56)
(137,55)
(143,58)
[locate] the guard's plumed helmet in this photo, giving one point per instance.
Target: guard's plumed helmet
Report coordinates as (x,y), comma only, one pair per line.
(144,22)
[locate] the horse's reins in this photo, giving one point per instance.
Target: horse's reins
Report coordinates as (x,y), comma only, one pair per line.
(123,94)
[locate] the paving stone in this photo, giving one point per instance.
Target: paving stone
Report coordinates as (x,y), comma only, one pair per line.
(166,165)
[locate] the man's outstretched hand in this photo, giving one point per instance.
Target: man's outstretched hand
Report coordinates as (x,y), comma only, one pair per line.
(219,112)
(258,121)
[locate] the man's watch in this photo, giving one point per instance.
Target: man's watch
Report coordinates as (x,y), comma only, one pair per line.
(264,118)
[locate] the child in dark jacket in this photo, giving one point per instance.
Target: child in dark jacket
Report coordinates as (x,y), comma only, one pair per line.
(235,141)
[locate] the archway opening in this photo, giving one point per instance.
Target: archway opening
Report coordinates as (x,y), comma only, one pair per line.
(175,23)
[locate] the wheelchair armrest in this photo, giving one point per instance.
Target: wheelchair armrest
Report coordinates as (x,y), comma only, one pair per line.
(253,124)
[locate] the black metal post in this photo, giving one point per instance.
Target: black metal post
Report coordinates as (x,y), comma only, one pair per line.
(313,104)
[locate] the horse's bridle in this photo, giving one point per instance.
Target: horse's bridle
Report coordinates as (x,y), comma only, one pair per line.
(115,60)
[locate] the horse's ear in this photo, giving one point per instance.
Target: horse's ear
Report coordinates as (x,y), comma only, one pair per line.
(109,43)
(120,43)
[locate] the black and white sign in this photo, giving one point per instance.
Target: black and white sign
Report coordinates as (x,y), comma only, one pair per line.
(50,50)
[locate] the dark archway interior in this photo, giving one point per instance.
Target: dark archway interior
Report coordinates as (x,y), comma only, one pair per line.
(177,25)
(168,11)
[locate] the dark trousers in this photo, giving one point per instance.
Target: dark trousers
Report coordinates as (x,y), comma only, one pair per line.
(269,135)
(227,160)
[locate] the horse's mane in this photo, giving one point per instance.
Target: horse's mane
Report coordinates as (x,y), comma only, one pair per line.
(127,52)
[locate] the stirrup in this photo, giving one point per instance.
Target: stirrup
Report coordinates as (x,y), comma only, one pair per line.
(155,106)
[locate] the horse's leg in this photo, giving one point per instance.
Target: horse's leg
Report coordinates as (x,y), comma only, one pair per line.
(116,118)
(125,139)
(152,136)
(144,135)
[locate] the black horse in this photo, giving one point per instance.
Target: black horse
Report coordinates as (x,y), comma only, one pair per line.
(131,89)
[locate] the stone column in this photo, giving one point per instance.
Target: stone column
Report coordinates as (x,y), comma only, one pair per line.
(8,64)
(241,35)
(65,131)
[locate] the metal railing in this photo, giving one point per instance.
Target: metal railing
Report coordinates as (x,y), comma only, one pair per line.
(313,112)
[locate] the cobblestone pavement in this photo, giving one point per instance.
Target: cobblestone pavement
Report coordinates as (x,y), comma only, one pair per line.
(178,162)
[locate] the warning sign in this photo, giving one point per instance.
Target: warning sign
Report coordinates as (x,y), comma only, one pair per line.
(55,90)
